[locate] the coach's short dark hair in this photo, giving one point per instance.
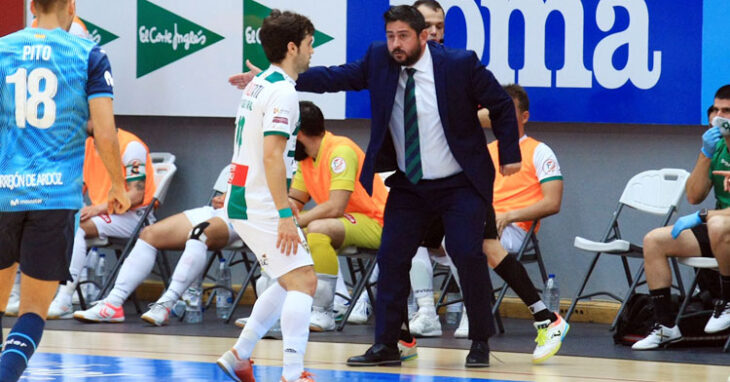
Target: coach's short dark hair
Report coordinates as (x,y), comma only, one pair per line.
(281,28)
(408,14)
(432,4)
(47,5)
(518,92)
(723,92)
(312,119)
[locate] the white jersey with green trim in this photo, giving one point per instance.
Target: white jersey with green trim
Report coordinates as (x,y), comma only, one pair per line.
(269,106)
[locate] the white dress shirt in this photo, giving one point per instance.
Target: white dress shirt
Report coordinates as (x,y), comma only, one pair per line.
(437,161)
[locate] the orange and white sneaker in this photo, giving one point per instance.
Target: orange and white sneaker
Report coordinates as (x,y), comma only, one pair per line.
(550,336)
(102,311)
(305,377)
(408,350)
(240,370)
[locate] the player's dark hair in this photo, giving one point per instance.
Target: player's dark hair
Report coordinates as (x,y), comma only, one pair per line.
(408,14)
(47,5)
(723,92)
(312,119)
(433,4)
(281,28)
(518,92)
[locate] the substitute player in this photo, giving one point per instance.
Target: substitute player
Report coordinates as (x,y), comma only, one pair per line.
(50,83)
(257,203)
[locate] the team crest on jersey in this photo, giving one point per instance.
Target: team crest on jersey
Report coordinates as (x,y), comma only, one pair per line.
(264,261)
(549,166)
(338,165)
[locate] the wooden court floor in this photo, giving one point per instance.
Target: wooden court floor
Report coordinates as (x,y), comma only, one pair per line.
(94,356)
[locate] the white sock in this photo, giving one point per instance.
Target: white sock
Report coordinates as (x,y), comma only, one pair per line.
(266,311)
(426,305)
(78,259)
(135,269)
(295,332)
(189,267)
(421,275)
(341,289)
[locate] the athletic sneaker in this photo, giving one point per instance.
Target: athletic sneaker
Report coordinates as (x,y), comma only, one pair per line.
(241,322)
(339,310)
(425,324)
(463,330)
(549,338)
(60,309)
(157,315)
(102,311)
(408,350)
(321,320)
(305,377)
(11,310)
(720,319)
(240,370)
(660,335)
(361,313)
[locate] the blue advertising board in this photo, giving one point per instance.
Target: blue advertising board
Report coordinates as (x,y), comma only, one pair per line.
(595,61)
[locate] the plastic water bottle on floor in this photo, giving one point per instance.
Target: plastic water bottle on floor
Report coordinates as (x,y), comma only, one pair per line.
(90,290)
(101,273)
(453,311)
(194,304)
(223,296)
(551,295)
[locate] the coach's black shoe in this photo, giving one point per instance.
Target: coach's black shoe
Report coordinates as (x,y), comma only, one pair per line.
(478,355)
(377,355)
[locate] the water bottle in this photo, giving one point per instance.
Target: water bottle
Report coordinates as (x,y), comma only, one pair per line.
(453,311)
(223,296)
(412,306)
(552,294)
(194,306)
(101,274)
(90,290)
(178,308)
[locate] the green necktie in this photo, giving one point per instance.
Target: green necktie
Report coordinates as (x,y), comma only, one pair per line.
(414,173)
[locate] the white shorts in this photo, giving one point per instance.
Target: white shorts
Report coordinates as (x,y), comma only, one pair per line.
(511,239)
(119,225)
(260,236)
(202,214)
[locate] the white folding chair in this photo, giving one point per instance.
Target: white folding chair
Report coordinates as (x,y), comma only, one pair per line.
(122,246)
(161,157)
(697,263)
(656,192)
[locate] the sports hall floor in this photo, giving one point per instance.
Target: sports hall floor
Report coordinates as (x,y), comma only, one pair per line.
(135,351)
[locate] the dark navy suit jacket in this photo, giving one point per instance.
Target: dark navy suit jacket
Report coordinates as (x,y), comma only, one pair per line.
(462,84)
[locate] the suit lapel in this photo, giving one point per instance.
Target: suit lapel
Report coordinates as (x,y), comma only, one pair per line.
(439,79)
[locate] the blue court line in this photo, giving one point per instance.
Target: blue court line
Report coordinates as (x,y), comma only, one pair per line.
(94,368)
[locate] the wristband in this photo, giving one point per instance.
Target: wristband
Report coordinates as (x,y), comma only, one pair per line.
(285,213)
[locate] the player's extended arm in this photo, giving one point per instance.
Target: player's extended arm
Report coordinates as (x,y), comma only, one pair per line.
(275,169)
(240,80)
(107,144)
(334,207)
(552,198)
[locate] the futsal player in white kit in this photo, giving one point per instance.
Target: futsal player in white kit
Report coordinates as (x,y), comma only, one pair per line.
(257,203)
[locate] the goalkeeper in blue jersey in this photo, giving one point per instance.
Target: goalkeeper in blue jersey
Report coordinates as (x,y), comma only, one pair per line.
(50,84)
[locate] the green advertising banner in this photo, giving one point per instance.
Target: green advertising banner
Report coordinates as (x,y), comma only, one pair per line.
(164,37)
(98,34)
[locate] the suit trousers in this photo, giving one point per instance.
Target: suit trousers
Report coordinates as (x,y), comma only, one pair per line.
(408,212)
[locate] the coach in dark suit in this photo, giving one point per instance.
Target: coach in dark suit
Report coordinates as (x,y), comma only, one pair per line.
(424,100)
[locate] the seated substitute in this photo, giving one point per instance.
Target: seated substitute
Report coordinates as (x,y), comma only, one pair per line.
(704,233)
(196,230)
(94,220)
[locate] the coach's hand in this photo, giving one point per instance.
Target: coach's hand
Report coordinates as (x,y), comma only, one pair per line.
(240,80)
(709,141)
(686,222)
(510,168)
(118,201)
(726,182)
(288,237)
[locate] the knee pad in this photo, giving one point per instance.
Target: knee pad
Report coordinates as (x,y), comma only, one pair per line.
(198,232)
